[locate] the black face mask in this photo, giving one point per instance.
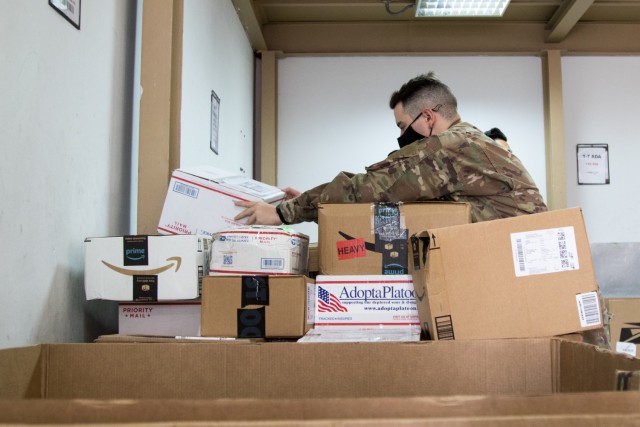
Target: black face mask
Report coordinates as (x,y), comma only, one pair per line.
(409,135)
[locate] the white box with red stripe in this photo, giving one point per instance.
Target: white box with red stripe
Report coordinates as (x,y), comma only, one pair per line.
(200,200)
(259,249)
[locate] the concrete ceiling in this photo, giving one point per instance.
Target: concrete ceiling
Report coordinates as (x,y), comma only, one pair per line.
(376,27)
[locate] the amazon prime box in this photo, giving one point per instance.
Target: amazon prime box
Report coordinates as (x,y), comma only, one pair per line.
(373,238)
(145,268)
(200,200)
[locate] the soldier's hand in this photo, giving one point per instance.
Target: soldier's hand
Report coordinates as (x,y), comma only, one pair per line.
(260,213)
(290,193)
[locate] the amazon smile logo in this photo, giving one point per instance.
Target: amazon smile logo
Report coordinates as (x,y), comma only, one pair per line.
(173,261)
(135,254)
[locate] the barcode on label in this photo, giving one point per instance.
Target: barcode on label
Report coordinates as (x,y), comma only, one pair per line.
(227,259)
(520,254)
(185,189)
(588,309)
(444,328)
(272,263)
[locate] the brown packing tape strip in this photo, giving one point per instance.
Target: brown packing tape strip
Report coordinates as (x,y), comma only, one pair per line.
(254,290)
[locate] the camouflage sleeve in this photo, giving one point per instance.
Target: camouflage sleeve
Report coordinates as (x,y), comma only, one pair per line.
(411,174)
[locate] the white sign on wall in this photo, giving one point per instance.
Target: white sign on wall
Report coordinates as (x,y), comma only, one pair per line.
(593,163)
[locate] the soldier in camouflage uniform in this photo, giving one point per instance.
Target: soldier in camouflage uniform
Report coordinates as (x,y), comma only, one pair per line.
(440,158)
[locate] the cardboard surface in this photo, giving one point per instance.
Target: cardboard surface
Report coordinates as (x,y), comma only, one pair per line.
(307,370)
(572,409)
(259,249)
(168,319)
(255,306)
(200,200)
(624,327)
(145,268)
(527,276)
(364,238)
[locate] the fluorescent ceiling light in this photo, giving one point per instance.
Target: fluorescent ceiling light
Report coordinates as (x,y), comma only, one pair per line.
(451,8)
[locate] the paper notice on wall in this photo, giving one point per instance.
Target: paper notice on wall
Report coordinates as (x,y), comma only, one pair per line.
(544,251)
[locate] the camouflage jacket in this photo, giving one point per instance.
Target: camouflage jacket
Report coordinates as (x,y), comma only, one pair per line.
(460,164)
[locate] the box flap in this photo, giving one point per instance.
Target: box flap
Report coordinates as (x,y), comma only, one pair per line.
(22,371)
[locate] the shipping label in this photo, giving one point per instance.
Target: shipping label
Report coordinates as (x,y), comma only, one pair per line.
(544,251)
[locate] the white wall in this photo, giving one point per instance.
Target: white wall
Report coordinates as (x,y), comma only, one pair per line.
(65,129)
(333,112)
(601,106)
(216,56)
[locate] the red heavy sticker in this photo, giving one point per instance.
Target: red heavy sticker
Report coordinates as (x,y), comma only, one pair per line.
(348,249)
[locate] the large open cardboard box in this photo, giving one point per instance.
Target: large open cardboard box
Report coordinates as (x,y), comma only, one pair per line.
(453,382)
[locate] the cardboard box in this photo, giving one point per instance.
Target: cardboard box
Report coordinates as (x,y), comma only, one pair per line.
(256,306)
(365,238)
(284,370)
(365,300)
(259,249)
(526,276)
(167,319)
(602,409)
(145,268)
(624,326)
(528,382)
(200,200)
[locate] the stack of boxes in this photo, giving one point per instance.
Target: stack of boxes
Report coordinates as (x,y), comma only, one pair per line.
(385,271)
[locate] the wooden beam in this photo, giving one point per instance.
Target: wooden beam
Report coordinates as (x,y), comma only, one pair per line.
(554,130)
(269,118)
(159,130)
(566,17)
(251,23)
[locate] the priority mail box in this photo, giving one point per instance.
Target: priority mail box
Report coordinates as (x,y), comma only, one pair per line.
(526,276)
(259,249)
(166,319)
(256,306)
(200,200)
(145,268)
(624,327)
(365,300)
(371,239)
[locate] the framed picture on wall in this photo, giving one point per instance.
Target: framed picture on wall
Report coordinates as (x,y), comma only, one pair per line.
(215,122)
(69,9)
(593,164)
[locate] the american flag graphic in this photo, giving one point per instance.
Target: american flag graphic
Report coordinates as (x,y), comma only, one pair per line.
(329,302)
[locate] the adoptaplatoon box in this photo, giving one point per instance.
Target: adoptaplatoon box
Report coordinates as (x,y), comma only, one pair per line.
(370,239)
(166,319)
(256,306)
(259,249)
(365,300)
(145,268)
(624,326)
(200,200)
(526,276)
